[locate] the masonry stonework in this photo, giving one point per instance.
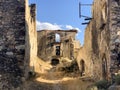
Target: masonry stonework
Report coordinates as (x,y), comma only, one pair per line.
(114,27)
(20,43)
(99,56)
(57,43)
(12,42)
(15,42)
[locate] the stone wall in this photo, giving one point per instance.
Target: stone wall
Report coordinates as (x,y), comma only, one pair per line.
(102,40)
(31,39)
(114,27)
(18,42)
(12,42)
(95,51)
(47,44)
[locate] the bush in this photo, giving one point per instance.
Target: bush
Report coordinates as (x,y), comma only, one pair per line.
(102,84)
(73,67)
(117,79)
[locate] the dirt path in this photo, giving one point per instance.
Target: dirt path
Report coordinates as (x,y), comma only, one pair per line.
(52,82)
(65,84)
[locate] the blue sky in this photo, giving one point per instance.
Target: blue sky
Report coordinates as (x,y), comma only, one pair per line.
(62,14)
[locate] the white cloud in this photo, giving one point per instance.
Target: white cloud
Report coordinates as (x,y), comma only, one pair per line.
(49,26)
(71,27)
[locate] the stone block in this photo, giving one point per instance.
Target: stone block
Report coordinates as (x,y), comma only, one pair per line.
(9,53)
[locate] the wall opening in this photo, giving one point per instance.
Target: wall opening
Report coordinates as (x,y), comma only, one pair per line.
(57,37)
(82,67)
(104,67)
(54,62)
(71,51)
(57,50)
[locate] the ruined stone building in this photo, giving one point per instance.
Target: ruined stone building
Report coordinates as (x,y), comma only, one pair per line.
(100,55)
(17,48)
(53,44)
(98,58)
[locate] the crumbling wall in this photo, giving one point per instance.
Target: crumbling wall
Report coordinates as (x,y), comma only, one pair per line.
(85,54)
(18,42)
(101,38)
(47,44)
(31,39)
(95,51)
(114,27)
(12,43)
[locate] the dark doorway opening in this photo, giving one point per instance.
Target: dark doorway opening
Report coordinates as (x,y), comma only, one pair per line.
(58,50)
(82,67)
(55,62)
(104,67)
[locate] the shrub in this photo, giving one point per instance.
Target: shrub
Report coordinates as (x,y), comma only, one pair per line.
(117,79)
(102,84)
(73,67)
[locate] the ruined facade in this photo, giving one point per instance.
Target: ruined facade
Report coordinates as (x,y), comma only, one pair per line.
(17,21)
(99,56)
(57,43)
(114,27)
(93,58)
(31,38)
(12,41)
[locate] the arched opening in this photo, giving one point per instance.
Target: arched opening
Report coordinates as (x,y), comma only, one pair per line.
(104,67)
(82,67)
(54,62)
(57,37)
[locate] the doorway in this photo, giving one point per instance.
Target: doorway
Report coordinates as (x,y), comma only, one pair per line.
(82,67)
(54,62)
(104,67)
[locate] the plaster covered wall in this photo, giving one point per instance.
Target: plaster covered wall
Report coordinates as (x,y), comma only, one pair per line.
(95,52)
(31,38)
